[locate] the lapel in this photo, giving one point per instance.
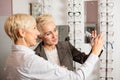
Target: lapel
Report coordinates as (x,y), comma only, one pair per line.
(42,51)
(61,52)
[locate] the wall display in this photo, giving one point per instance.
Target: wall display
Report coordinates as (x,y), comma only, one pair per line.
(102,23)
(40,6)
(106,27)
(36,9)
(75,15)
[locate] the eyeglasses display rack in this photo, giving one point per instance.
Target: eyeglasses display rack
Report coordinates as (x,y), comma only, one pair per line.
(40,6)
(107,28)
(74,18)
(76,34)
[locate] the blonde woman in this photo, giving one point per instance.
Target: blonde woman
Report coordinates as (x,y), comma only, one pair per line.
(62,53)
(23,64)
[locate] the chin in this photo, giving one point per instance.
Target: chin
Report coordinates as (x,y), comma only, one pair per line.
(56,43)
(33,44)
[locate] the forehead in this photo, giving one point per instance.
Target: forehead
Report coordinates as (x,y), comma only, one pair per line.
(49,26)
(32,23)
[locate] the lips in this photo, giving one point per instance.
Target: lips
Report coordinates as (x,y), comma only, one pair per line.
(54,40)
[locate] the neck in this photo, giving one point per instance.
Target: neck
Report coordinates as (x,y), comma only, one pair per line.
(21,42)
(49,47)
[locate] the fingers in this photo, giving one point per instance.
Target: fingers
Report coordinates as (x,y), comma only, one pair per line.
(100,36)
(100,40)
(94,34)
(98,44)
(93,37)
(64,67)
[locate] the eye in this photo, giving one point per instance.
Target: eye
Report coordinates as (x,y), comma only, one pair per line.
(48,33)
(55,30)
(34,27)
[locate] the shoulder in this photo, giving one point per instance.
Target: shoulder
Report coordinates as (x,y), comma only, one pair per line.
(64,43)
(38,47)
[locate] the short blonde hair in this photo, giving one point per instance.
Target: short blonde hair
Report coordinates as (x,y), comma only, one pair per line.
(15,22)
(42,20)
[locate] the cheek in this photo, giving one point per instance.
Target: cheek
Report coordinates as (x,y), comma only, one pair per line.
(32,37)
(57,33)
(47,39)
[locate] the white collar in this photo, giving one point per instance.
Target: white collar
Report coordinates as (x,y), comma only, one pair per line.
(22,48)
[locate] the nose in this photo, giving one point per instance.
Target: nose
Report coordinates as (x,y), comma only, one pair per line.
(54,34)
(37,32)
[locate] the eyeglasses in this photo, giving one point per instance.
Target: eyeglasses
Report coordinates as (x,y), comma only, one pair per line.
(109,61)
(108,33)
(74,24)
(72,1)
(105,24)
(74,16)
(108,14)
(74,7)
(102,69)
(108,4)
(71,14)
(74,29)
(106,78)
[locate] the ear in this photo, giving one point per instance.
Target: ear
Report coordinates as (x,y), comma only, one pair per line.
(40,37)
(21,32)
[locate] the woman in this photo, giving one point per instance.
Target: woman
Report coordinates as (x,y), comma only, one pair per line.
(62,53)
(23,64)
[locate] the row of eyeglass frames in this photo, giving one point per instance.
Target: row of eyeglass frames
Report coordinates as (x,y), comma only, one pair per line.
(74,20)
(107,28)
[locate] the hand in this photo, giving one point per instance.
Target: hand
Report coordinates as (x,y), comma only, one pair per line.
(64,67)
(93,36)
(98,44)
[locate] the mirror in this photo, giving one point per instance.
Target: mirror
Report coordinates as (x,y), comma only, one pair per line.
(91,18)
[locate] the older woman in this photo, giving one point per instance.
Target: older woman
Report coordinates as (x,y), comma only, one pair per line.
(23,64)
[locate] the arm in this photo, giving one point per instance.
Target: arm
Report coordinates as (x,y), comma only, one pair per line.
(93,37)
(39,68)
(78,56)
